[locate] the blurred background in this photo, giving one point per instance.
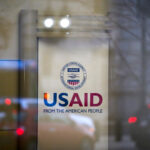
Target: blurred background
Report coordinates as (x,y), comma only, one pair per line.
(125,23)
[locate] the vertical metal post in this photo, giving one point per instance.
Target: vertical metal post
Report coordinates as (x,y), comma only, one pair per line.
(28,55)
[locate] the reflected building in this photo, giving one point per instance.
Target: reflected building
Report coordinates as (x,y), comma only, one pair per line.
(130,61)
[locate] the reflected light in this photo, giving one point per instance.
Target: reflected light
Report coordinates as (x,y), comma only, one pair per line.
(91,129)
(132,120)
(20,131)
(14,111)
(148,105)
(65,23)
(8,101)
(48,22)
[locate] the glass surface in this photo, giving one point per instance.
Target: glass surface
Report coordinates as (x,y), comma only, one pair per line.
(58,127)
(18,115)
(8,103)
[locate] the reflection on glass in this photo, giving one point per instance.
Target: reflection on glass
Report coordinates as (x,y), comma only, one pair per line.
(18,116)
(59,129)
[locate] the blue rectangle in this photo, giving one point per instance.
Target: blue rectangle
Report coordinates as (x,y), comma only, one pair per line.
(73,80)
(73,69)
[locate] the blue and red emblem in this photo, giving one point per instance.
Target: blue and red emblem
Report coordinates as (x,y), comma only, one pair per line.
(73,75)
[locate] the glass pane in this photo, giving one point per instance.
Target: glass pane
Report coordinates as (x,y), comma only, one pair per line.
(73,72)
(8,103)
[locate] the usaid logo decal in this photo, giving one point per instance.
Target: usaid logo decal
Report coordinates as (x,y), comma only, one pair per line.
(73,75)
